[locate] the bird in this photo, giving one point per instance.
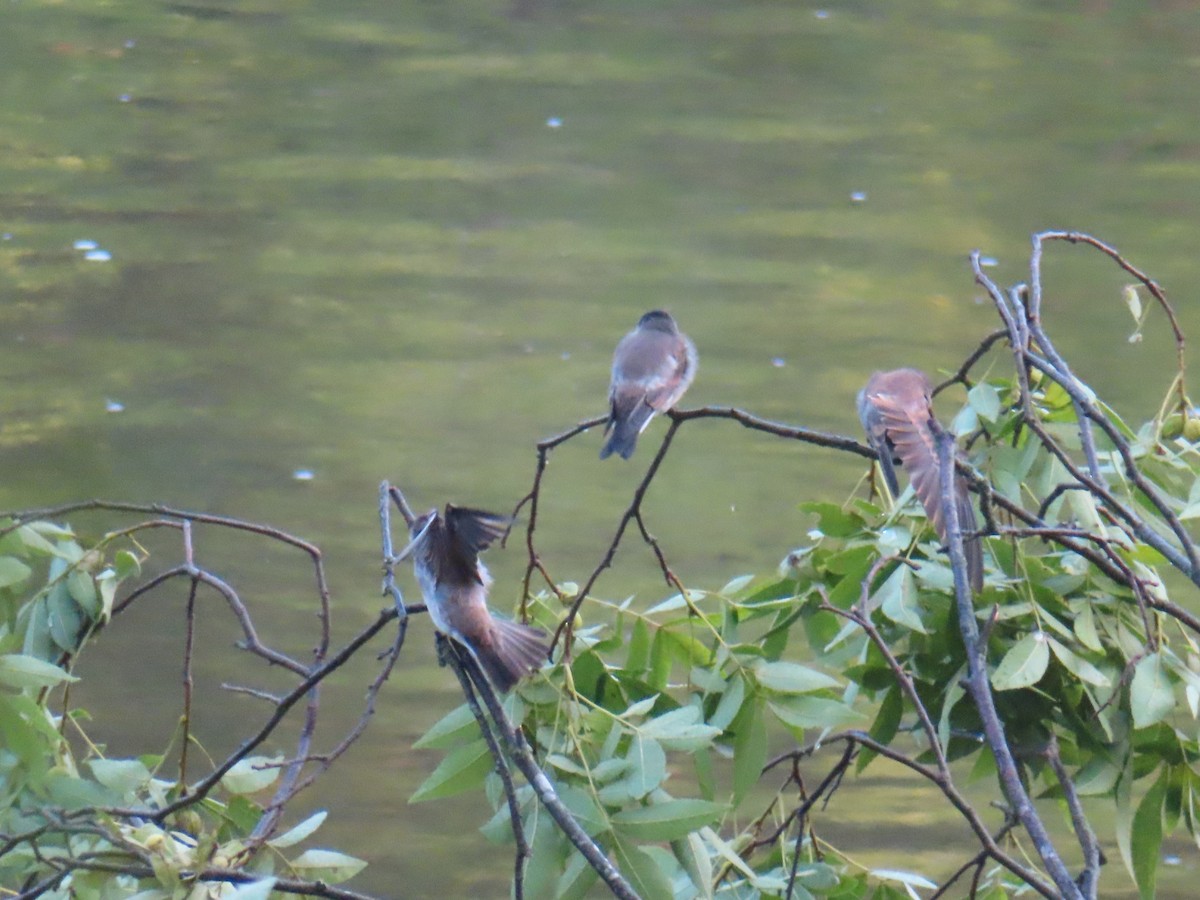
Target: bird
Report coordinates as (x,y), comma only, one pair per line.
(896,411)
(652,368)
(445,551)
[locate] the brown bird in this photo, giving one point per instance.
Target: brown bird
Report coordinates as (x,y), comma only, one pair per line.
(896,411)
(652,367)
(445,551)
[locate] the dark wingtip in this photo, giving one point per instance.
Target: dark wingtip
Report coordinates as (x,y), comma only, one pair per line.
(972,546)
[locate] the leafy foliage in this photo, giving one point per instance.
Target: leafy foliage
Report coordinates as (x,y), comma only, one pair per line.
(658,731)
(699,743)
(84,825)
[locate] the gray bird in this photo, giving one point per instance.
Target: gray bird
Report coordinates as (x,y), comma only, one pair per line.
(896,411)
(445,552)
(652,367)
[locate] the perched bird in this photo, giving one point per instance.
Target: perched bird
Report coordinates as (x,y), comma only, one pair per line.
(897,413)
(652,367)
(445,552)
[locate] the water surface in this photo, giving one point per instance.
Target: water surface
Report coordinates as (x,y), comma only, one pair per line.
(376,240)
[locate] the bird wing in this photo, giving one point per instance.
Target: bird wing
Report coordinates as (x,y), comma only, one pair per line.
(467,533)
(876,430)
(906,427)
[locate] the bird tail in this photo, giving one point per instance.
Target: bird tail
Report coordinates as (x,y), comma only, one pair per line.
(510,651)
(625,428)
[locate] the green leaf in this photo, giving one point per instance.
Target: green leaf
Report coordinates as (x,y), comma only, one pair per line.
(453,728)
(680,729)
(1146,840)
(638,656)
(1024,664)
(886,724)
(297,833)
(49,529)
(252,890)
(833,520)
(908,879)
(749,749)
(584,808)
(642,872)
(246,776)
(65,619)
(609,769)
(965,421)
(818,876)
(686,648)
(815,712)
(576,880)
(462,769)
(1124,816)
(21,671)
(106,585)
(38,642)
(730,703)
(125,776)
(328,866)
(21,736)
(727,853)
(72,792)
(791,678)
(648,766)
(736,586)
(1129,294)
(33,540)
(13,571)
(668,820)
(83,591)
(1077,665)
(1151,696)
(985,401)
(640,708)
(691,853)
(243,813)
(898,599)
(661,651)
(1085,628)
(126,564)
(954,692)
(706,776)
(1097,777)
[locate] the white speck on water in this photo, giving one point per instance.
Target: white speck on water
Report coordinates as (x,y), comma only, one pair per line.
(815,534)
(86,245)
(126,98)
(822,14)
(304,474)
(7,235)
(779,362)
(97,256)
(554,122)
(113,406)
(130,44)
(566,354)
(988,261)
(858,197)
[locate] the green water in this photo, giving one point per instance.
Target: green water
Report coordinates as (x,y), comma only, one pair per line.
(399,240)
